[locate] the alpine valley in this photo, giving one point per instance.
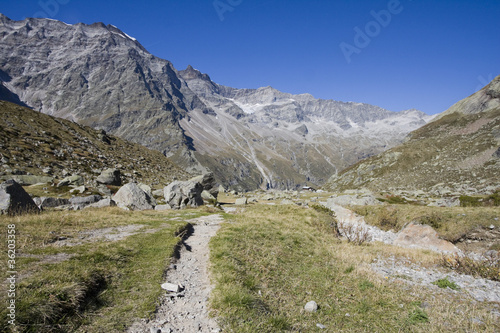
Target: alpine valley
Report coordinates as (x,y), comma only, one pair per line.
(98,76)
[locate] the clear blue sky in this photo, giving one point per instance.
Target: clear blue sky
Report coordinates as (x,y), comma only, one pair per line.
(425,55)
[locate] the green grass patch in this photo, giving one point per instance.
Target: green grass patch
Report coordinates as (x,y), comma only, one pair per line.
(290,260)
(99,286)
(445,283)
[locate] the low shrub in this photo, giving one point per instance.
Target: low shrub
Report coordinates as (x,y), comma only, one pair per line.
(488,267)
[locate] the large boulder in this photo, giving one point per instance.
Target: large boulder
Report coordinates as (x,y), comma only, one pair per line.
(110,177)
(48,202)
(132,197)
(208,183)
(423,237)
(14,200)
(179,194)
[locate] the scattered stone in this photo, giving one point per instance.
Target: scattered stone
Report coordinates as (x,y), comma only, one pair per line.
(110,176)
(253,200)
(172,287)
(74,180)
(424,237)
(132,197)
(287,202)
(268,197)
(104,190)
(206,196)
(162,207)
(81,202)
(102,203)
(321,326)
(222,189)
(311,306)
(14,200)
(79,189)
(492,227)
(241,201)
(155,330)
(52,202)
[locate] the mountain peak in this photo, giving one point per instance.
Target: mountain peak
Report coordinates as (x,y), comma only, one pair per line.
(191,73)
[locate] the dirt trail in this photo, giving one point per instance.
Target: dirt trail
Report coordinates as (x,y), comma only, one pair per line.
(187,311)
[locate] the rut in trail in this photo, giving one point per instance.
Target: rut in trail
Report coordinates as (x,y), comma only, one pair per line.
(188,310)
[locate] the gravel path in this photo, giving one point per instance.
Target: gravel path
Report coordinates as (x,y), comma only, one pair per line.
(187,310)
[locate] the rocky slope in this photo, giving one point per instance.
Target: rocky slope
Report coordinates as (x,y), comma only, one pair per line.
(459,151)
(99,76)
(34,143)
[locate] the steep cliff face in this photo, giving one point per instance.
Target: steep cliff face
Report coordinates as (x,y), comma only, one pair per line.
(459,151)
(99,76)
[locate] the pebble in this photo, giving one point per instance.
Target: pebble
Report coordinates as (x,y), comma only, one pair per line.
(321,326)
(311,306)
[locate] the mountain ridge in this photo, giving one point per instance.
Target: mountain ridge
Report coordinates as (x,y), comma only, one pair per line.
(456,152)
(101,77)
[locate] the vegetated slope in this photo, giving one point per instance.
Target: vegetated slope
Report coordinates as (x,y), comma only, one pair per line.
(99,76)
(31,141)
(458,151)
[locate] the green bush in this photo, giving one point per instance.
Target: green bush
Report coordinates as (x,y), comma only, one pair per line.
(445,283)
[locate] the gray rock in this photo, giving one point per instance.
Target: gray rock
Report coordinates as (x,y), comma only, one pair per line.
(24,180)
(162,207)
(146,188)
(208,183)
(14,200)
(222,189)
(241,201)
(104,190)
(52,202)
(110,176)
(132,197)
(84,201)
(102,203)
(74,180)
(321,326)
(157,193)
(311,306)
(79,189)
(180,194)
(268,197)
(206,196)
(172,287)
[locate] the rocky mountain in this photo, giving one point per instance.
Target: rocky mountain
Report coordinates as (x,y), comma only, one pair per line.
(458,151)
(33,143)
(99,76)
